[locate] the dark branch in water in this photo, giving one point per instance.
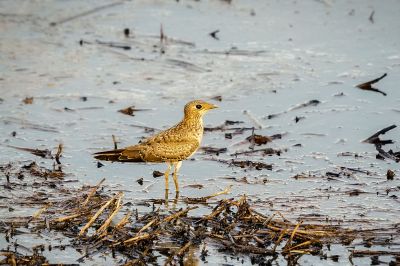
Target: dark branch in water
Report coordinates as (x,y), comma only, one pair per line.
(260,139)
(126,32)
(89,12)
(114,45)
(368,85)
(371,17)
(108,44)
(395,156)
(186,65)
(58,154)
(37,152)
(298,106)
(115,142)
(374,139)
(302,105)
(131,110)
(266,151)
(212,150)
(245,164)
(362,253)
(214,35)
(224,127)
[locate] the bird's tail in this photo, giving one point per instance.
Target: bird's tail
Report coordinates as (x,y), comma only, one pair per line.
(111,155)
(119,155)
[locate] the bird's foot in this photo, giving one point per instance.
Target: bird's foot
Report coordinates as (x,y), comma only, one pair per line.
(176,197)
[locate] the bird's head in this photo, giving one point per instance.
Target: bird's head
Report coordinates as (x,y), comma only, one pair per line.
(198,108)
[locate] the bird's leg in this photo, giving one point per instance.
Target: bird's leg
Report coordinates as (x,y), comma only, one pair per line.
(177,165)
(166,174)
(176,198)
(166,200)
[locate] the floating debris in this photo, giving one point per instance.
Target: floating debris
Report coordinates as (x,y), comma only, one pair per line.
(307,176)
(260,140)
(30,170)
(266,151)
(213,150)
(44,153)
(131,110)
(27,124)
(162,36)
(126,32)
(303,105)
(16,258)
(188,200)
(214,34)
(296,107)
(231,122)
(186,65)
(390,174)
(217,98)
(114,139)
(235,52)
(361,253)
(86,13)
(374,139)
(245,180)
(198,186)
(245,164)
(224,127)
(298,118)
(371,17)
(368,85)
(28,100)
(157,174)
(108,44)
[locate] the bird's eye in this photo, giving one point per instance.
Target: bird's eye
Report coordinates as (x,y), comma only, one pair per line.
(198,106)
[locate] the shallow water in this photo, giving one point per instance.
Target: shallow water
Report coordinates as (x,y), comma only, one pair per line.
(270,57)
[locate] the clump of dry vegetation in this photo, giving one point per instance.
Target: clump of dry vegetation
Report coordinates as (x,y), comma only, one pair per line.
(97,221)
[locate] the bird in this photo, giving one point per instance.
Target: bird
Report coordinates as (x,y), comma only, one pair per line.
(170,146)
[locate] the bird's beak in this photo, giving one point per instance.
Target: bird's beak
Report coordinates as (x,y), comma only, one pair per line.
(211,106)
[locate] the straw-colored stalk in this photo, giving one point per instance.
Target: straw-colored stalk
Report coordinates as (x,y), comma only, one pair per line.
(92,191)
(135,239)
(39,212)
(289,242)
(98,213)
(106,224)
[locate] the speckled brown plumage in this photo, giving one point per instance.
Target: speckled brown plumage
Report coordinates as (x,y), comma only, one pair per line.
(171,146)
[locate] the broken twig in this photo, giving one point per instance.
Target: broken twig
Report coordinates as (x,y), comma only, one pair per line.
(368,85)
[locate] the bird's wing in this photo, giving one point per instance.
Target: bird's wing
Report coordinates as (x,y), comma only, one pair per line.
(170,151)
(135,152)
(173,134)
